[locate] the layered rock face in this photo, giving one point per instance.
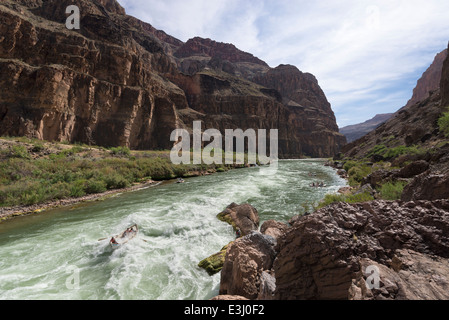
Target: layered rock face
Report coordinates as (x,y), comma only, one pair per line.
(99,86)
(430,80)
(311,118)
(296,102)
(118,81)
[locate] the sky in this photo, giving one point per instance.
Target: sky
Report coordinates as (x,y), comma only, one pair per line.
(366,54)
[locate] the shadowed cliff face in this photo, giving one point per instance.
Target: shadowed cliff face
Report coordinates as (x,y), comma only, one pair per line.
(118,81)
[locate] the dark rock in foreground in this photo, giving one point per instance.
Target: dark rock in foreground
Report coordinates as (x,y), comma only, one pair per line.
(325,255)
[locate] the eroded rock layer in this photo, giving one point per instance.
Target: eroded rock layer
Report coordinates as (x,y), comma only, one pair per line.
(119,81)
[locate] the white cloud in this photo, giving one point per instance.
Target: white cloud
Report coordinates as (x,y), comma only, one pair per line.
(358,49)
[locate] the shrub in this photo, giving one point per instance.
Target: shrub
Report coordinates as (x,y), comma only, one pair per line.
(392,190)
(77,188)
(349,165)
(116,181)
(443,124)
(378,150)
(335,198)
(358,173)
(121,151)
(94,186)
(19,151)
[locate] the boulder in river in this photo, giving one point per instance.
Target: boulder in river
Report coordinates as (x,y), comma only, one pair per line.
(241,217)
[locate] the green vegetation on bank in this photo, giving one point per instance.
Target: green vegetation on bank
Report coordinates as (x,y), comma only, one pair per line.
(443,124)
(381,159)
(352,198)
(34,172)
(392,153)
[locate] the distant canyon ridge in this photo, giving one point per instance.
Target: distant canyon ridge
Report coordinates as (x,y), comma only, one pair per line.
(118,81)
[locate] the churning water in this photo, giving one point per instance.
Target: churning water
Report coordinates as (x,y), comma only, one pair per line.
(57,255)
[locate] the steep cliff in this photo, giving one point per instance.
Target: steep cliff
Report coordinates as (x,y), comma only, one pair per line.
(416,124)
(120,81)
(311,116)
(430,80)
(100,85)
(310,125)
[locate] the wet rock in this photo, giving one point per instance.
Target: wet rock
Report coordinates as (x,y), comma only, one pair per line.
(214,263)
(243,217)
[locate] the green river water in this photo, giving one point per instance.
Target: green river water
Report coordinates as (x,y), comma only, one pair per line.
(56,255)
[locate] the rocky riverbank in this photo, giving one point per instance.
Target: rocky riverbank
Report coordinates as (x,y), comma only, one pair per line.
(330,254)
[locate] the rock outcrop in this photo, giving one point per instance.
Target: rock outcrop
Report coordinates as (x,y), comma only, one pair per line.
(368,251)
(325,255)
(427,186)
(246,271)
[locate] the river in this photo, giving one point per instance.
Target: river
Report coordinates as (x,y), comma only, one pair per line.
(56,255)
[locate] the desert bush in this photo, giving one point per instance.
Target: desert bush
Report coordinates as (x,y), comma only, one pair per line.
(443,124)
(335,198)
(392,190)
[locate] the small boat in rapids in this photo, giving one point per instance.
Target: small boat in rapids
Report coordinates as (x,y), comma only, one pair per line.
(124,237)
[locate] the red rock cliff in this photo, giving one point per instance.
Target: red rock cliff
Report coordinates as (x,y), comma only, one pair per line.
(118,81)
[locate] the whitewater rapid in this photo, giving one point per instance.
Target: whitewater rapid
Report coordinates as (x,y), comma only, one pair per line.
(57,255)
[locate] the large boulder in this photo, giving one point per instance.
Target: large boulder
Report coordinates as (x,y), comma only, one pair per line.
(413,169)
(432,186)
(241,217)
(246,260)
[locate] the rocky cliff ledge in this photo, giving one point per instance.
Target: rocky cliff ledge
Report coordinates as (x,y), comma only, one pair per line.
(331,253)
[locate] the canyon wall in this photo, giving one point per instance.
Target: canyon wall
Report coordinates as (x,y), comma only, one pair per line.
(119,81)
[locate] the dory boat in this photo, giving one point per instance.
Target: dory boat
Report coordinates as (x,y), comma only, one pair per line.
(124,237)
